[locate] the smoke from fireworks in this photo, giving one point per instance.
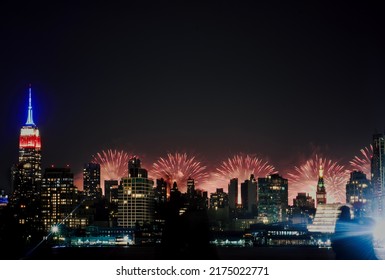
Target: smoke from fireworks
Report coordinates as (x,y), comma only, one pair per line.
(362,162)
(239,166)
(178,168)
(305,179)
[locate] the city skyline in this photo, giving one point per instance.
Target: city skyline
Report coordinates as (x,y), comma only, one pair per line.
(280,81)
(178,167)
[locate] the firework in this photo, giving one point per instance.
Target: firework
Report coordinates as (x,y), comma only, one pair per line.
(178,168)
(113,164)
(363,161)
(305,179)
(240,166)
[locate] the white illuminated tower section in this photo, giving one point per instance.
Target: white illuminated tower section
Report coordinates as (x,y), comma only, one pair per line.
(30,150)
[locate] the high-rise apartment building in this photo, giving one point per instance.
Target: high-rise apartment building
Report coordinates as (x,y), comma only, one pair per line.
(91,180)
(359,193)
(378,174)
(249,195)
(136,197)
(111,190)
(59,199)
(233,193)
(272,198)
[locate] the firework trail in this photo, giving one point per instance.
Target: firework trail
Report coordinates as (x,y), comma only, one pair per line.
(362,162)
(305,179)
(113,164)
(178,167)
(239,166)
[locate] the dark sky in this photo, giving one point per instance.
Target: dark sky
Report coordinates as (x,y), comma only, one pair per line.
(212,78)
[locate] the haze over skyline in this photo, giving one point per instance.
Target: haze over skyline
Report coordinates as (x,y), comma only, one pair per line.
(277,80)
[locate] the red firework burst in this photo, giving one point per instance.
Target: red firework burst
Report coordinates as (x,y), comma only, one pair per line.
(113,164)
(178,167)
(362,162)
(305,179)
(239,166)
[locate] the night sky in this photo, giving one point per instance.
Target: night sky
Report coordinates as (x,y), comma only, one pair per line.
(212,79)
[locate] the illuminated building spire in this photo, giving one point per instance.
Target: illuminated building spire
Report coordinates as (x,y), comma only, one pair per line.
(30,114)
(321,191)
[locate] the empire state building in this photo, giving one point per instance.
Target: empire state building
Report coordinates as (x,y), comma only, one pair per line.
(26,174)
(30,149)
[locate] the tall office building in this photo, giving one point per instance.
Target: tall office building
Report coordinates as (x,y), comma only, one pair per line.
(91,180)
(161,191)
(272,198)
(26,174)
(378,174)
(136,197)
(111,190)
(233,193)
(249,195)
(190,187)
(321,190)
(59,199)
(359,193)
(219,199)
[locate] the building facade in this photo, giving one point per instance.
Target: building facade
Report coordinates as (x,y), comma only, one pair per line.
(26,174)
(91,180)
(359,193)
(136,197)
(249,195)
(378,174)
(59,199)
(272,199)
(233,193)
(321,190)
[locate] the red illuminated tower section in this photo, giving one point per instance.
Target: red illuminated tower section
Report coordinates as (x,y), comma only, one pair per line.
(321,191)
(30,150)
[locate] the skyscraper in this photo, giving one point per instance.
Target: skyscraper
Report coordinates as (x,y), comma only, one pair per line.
(91,180)
(161,191)
(272,198)
(249,195)
(219,199)
(136,197)
(111,190)
(359,193)
(26,174)
(321,190)
(59,199)
(190,188)
(378,174)
(233,193)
